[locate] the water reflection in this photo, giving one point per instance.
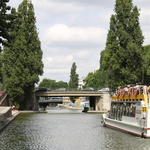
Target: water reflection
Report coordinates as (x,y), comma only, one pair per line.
(66,130)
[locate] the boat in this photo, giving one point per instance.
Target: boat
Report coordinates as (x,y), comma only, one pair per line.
(130,110)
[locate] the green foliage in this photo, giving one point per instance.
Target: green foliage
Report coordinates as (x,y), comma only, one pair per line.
(23,58)
(4,22)
(48,83)
(73,83)
(52,84)
(93,79)
(4,31)
(62,84)
(146,65)
(121,61)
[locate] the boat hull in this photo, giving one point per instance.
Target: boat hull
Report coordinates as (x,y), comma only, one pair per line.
(137,130)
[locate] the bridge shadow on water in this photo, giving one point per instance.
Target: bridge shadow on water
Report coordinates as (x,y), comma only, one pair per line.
(58,110)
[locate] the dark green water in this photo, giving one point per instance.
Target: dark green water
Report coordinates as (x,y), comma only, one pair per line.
(66,130)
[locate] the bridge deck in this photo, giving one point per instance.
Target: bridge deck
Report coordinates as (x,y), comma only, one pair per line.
(70,93)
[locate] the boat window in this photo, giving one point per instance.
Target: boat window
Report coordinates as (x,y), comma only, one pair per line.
(122,109)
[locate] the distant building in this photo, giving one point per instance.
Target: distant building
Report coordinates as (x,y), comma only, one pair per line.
(81,83)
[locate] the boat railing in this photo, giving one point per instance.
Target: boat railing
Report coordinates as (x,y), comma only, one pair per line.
(137,90)
(136,93)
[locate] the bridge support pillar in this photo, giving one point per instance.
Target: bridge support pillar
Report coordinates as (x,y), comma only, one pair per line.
(103,102)
(99,103)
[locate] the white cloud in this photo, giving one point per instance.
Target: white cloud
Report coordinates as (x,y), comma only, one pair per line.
(63,35)
(59,59)
(56,8)
(82,54)
(53,71)
(49,59)
(85,3)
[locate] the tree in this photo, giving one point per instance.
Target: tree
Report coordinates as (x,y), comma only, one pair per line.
(146,65)
(4,28)
(52,84)
(73,83)
(4,22)
(104,72)
(122,58)
(23,59)
(93,79)
(62,84)
(48,83)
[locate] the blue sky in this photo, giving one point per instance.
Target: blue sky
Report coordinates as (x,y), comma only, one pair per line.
(76,31)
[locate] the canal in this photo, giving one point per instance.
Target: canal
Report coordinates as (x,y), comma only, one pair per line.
(62,129)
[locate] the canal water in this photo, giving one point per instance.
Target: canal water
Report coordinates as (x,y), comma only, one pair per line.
(62,129)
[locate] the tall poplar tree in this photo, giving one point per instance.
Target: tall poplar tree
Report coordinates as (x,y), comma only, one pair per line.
(146,65)
(23,60)
(73,83)
(4,26)
(122,58)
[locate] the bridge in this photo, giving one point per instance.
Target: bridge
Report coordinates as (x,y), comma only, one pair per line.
(69,93)
(99,101)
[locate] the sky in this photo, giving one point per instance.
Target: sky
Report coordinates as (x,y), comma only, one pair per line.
(76,31)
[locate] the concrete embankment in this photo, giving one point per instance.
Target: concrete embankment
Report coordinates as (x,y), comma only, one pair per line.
(6,116)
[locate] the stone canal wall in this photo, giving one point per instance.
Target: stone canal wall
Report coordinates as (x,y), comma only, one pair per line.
(5,112)
(6,116)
